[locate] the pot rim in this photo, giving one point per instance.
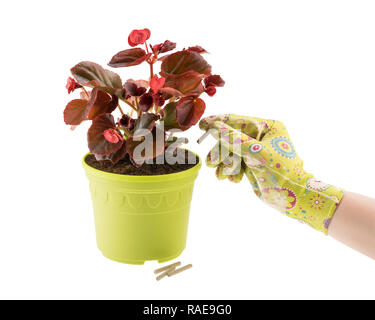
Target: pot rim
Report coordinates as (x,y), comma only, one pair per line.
(151,178)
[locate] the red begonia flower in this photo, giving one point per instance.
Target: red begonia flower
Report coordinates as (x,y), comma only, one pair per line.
(211,90)
(71,85)
(112,135)
(157,83)
(137,37)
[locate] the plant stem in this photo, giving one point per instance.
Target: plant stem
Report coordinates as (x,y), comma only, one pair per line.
(126,132)
(84,90)
(119,107)
(150,63)
(137,104)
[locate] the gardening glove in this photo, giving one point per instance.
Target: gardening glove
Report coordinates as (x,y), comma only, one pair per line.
(262,150)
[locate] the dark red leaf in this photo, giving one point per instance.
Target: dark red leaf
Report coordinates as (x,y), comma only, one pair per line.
(169,117)
(214,80)
(98,144)
(129,57)
(182,61)
(156,48)
(115,156)
(76,111)
(92,74)
(146,102)
(163,47)
(157,83)
(198,90)
(101,102)
(168,93)
(150,145)
(119,154)
(120,93)
(145,122)
(189,110)
(127,122)
(133,88)
(186,82)
(167,46)
(197,49)
(158,99)
(137,37)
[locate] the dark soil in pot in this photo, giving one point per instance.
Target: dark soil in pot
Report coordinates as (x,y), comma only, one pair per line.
(126,167)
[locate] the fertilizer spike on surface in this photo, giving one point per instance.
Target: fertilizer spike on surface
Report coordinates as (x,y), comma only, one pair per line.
(168,267)
(165,273)
(177,271)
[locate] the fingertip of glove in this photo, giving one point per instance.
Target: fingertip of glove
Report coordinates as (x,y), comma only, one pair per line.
(211,163)
(219,174)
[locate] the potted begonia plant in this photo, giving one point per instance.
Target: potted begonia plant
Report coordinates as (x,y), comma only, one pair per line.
(141,181)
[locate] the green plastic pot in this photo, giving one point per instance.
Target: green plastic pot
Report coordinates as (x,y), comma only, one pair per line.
(140,218)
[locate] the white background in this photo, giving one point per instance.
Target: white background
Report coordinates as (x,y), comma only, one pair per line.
(308,63)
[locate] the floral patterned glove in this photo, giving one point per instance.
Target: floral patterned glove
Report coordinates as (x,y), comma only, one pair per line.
(262,150)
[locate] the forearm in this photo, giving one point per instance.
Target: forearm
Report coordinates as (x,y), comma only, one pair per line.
(354,223)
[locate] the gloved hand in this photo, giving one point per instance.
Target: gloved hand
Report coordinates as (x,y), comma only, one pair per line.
(262,150)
